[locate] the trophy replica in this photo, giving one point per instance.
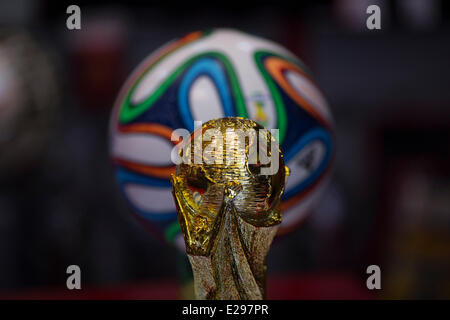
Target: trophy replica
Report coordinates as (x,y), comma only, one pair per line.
(227,189)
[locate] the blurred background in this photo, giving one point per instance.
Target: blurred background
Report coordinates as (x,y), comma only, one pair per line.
(388,202)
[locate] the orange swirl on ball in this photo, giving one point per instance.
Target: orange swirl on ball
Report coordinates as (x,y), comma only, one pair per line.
(276,68)
(156,129)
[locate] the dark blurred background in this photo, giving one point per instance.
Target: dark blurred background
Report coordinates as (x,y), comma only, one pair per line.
(388,202)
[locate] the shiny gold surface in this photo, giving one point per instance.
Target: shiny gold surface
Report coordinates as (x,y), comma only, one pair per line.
(227,210)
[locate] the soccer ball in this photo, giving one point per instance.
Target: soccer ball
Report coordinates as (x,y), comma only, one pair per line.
(214,74)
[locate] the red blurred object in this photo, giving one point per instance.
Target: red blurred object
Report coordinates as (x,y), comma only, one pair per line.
(289,287)
(98,62)
(321,286)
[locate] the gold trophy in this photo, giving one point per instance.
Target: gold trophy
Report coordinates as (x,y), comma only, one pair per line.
(227,189)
